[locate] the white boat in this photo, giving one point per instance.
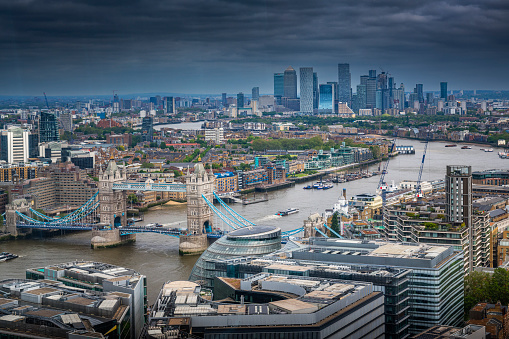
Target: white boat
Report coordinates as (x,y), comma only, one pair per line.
(488,150)
(288,211)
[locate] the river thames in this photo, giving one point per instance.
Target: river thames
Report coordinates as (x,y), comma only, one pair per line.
(156,256)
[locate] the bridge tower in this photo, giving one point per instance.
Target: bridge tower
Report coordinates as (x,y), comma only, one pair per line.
(112,203)
(199,215)
(11,218)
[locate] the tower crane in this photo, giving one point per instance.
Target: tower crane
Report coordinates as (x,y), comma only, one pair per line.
(419,194)
(382,186)
(46,98)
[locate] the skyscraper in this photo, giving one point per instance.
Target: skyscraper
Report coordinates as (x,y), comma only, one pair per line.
(48,127)
(147,129)
(240,100)
(420,92)
(306,89)
(345,83)
(279,87)
(443,90)
(370,88)
(224,102)
(315,91)
(335,85)
(255,93)
(169,105)
(15,145)
(290,83)
(327,98)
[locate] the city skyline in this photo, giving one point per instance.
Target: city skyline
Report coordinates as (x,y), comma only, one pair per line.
(207,47)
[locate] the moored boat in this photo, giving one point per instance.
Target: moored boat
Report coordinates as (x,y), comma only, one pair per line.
(4,256)
(466,147)
(451,145)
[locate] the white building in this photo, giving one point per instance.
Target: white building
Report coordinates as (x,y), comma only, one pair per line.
(15,145)
(215,135)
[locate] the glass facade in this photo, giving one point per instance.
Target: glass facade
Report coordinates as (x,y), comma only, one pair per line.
(306,89)
(249,241)
(327,97)
(48,127)
(345,83)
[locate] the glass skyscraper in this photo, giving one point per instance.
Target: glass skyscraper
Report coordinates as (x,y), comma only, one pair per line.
(255,93)
(290,83)
(327,97)
(315,91)
(240,100)
(443,90)
(48,127)
(345,84)
(306,89)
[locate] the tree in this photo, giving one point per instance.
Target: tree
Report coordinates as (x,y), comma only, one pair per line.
(162,145)
(121,148)
(335,224)
(132,198)
(147,165)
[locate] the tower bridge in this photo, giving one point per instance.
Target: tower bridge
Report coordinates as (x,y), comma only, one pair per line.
(105,213)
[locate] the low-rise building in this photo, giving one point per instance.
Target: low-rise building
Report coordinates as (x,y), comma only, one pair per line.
(95,276)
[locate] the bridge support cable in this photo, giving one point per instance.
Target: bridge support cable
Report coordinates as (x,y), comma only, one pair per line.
(231,210)
(82,208)
(325,235)
(334,232)
(292,232)
(223,217)
(43,215)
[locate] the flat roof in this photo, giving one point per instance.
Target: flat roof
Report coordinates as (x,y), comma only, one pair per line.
(252,230)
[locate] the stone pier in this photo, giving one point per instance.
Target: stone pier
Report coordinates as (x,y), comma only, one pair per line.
(110,238)
(193,244)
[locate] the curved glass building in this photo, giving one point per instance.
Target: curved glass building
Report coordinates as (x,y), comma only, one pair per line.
(252,241)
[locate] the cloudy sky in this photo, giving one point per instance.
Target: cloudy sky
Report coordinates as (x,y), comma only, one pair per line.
(214,46)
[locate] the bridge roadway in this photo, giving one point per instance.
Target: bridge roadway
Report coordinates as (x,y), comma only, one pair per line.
(146,186)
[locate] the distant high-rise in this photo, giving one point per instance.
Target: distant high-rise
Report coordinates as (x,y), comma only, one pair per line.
(316,94)
(335,85)
(345,83)
(224,101)
(290,83)
(443,90)
(48,127)
(240,100)
(147,129)
(15,144)
(306,89)
(255,93)
(169,105)
(279,86)
(327,98)
(370,88)
(420,92)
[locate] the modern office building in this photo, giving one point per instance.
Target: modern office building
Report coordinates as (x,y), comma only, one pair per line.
(15,145)
(130,285)
(306,89)
(327,101)
(419,91)
(279,87)
(66,120)
(436,279)
(224,101)
(48,127)
(49,309)
(443,91)
(255,93)
(370,89)
(240,100)
(344,84)
(277,306)
(169,105)
(147,129)
(316,94)
(290,83)
(393,282)
(247,241)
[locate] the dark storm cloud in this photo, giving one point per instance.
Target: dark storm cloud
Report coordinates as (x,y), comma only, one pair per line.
(218,45)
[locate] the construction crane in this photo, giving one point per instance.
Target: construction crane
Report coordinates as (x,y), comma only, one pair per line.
(46,98)
(381,184)
(418,188)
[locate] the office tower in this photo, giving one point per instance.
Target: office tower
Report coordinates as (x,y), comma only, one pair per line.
(169,105)
(335,85)
(315,91)
(443,90)
(279,87)
(240,100)
(306,89)
(224,102)
(420,92)
(66,120)
(370,89)
(398,95)
(48,127)
(147,129)
(360,102)
(382,92)
(327,98)
(429,98)
(290,83)
(255,93)
(15,145)
(153,100)
(344,83)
